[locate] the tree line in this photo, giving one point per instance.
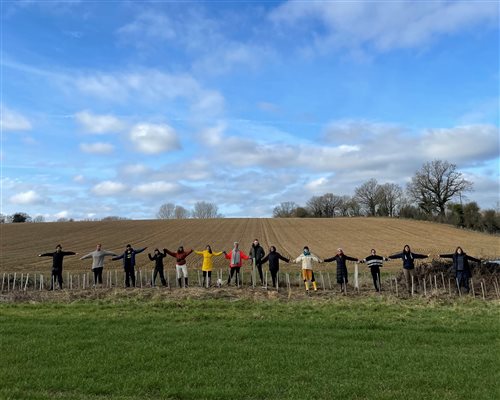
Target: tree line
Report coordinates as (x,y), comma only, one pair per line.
(429,196)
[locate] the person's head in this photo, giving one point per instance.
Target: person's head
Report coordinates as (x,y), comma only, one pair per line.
(209,249)
(98,247)
(459,250)
(256,242)
(157,251)
(406,249)
(180,249)
(373,252)
(306,251)
(236,245)
(128,247)
(340,251)
(58,248)
(272,249)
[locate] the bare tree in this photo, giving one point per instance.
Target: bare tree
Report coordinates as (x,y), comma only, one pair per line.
(205,210)
(38,219)
(286,209)
(390,196)
(435,184)
(181,213)
(315,206)
(166,211)
(368,196)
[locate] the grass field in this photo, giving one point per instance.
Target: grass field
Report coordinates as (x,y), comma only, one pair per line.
(21,243)
(130,347)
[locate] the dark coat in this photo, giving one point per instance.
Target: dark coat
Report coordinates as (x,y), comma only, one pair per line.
(158,259)
(57,258)
(408,258)
(180,257)
(130,256)
(456,258)
(257,252)
(341,266)
(274,260)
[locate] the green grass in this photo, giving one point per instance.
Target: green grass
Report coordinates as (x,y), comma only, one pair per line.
(243,349)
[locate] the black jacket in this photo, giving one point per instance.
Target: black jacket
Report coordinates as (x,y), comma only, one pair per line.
(158,258)
(274,260)
(456,261)
(408,258)
(257,252)
(57,258)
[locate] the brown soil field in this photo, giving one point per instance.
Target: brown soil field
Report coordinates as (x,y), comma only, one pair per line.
(21,243)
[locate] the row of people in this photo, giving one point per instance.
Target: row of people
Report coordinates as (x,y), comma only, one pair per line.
(258,257)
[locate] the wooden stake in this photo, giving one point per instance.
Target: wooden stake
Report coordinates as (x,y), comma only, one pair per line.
(425,289)
(472,286)
(253,273)
(458,288)
(278,282)
(14,283)
(356,275)
(412,284)
(140,277)
(442,278)
(379,284)
(26,283)
(329,281)
(41,282)
(8,283)
(396,282)
(288,285)
(71,281)
(3,281)
(482,289)
(265,282)
(345,287)
(390,281)
(78,276)
(322,280)
(199,281)
(34,282)
(435,282)
(449,285)
(22,280)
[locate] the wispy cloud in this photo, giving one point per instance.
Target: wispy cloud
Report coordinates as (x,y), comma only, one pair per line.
(99,124)
(13,120)
(97,148)
(381,26)
(29,197)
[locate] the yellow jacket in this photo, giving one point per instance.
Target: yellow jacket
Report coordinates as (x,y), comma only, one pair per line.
(207,259)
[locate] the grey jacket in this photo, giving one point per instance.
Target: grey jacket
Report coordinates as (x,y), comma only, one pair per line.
(98,257)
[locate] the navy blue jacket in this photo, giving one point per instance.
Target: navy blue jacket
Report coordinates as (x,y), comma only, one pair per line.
(129,256)
(455,257)
(408,258)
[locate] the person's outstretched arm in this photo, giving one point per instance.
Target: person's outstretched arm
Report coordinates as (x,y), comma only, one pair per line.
(170,253)
(283,258)
(395,256)
(118,257)
(446,255)
(87,256)
(140,250)
(46,255)
(470,258)
(352,258)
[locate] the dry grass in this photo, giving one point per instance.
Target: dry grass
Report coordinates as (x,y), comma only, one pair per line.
(20,243)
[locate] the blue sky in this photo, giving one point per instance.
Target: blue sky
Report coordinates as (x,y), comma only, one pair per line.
(114,108)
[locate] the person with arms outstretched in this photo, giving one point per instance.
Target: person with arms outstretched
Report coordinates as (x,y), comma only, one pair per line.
(207,265)
(57,264)
(461,267)
(128,257)
(98,262)
(341,258)
(236,256)
(375,262)
(307,258)
(408,258)
(274,263)
(180,264)
(158,259)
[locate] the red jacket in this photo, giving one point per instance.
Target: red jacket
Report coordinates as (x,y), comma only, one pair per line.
(243,256)
(180,258)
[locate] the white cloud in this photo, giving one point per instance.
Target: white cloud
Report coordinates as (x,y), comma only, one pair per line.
(462,143)
(79,178)
(13,120)
(154,138)
(99,124)
(26,198)
(97,148)
(108,188)
(383,26)
(135,169)
(155,188)
(148,25)
(61,214)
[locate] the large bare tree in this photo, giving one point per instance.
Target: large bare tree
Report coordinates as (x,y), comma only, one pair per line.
(286,209)
(390,198)
(166,211)
(435,184)
(205,210)
(368,196)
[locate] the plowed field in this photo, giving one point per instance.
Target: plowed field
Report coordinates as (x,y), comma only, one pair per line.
(20,243)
